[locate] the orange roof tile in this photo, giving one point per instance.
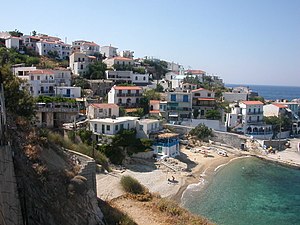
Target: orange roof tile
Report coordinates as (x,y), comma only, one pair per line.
(252,102)
(154,101)
(104,105)
(195,71)
(122,58)
(49,72)
(200,89)
(282,106)
(90,43)
(127,88)
(154,111)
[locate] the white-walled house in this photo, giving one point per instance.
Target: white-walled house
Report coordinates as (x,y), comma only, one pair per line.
(249,119)
(110,126)
(13,42)
(79,62)
(166,144)
(86,47)
(50,82)
(43,47)
(146,127)
(127,54)
(127,77)
(109,51)
(274,109)
(121,61)
(203,100)
(22,70)
(102,110)
(179,105)
(126,96)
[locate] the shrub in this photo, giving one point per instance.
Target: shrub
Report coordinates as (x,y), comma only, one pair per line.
(170,207)
(201,131)
(131,185)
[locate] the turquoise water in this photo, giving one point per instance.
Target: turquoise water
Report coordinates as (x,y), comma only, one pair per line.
(249,191)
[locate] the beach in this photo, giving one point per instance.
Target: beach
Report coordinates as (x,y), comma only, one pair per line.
(159,179)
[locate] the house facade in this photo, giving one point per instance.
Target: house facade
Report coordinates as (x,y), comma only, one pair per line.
(203,100)
(166,145)
(126,96)
(127,77)
(100,87)
(109,51)
(79,62)
(86,47)
(120,61)
(146,127)
(179,106)
(102,110)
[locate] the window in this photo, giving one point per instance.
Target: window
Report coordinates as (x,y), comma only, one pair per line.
(122,126)
(95,127)
(141,127)
(198,94)
(208,94)
(249,110)
(117,127)
(136,78)
(185,98)
(82,59)
(144,78)
(108,127)
(78,59)
(31,77)
(173,98)
(81,67)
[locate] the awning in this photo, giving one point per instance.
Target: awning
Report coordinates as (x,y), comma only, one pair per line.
(173,115)
(206,99)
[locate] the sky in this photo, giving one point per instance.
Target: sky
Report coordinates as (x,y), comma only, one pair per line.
(242,41)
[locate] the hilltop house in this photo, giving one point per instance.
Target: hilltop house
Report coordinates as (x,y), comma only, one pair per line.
(203,100)
(126,96)
(127,77)
(109,51)
(120,61)
(79,62)
(247,117)
(102,110)
(86,47)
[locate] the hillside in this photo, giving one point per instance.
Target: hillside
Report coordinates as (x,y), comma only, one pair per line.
(49,190)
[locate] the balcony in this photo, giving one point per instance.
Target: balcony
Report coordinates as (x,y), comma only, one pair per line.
(47,81)
(179,109)
(129,95)
(255,113)
(255,121)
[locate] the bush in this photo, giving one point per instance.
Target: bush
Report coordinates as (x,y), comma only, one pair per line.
(170,207)
(131,185)
(201,131)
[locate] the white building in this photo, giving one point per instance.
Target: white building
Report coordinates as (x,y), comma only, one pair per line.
(120,61)
(127,54)
(102,110)
(109,51)
(86,47)
(13,42)
(50,82)
(79,62)
(275,109)
(179,105)
(247,117)
(145,127)
(22,70)
(127,77)
(126,96)
(166,144)
(109,126)
(44,47)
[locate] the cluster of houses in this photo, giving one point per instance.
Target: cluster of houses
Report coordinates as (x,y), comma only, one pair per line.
(183,104)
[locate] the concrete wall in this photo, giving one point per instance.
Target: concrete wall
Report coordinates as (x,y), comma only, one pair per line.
(144,155)
(213,124)
(9,201)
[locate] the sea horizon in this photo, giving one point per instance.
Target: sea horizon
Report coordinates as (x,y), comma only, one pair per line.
(269,85)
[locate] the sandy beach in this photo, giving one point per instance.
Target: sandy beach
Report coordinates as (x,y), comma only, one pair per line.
(159,179)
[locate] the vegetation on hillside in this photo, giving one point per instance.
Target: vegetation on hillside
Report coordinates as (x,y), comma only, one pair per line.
(49,99)
(132,185)
(201,131)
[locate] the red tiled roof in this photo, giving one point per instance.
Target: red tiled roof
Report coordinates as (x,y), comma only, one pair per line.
(195,71)
(154,111)
(104,105)
(122,58)
(92,57)
(49,72)
(90,43)
(154,101)
(127,88)
(200,89)
(252,102)
(282,106)
(206,99)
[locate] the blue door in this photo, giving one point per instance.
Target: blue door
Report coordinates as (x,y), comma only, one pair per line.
(68,93)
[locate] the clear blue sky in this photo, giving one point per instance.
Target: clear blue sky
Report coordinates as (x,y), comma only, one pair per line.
(247,42)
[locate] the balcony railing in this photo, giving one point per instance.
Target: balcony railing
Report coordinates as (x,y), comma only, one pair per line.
(129,95)
(255,113)
(255,122)
(178,109)
(47,81)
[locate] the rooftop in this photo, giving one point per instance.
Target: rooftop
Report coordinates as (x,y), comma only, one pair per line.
(127,88)
(281,106)
(154,101)
(122,58)
(252,102)
(168,135)
(117,120)
(200,89)
(148,121)
(104,105)
(49,72)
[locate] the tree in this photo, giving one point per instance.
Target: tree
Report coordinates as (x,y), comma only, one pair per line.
(201,131)
(96,71)
(53,54)
(144,104)
(159,88)
(196,113)
(282,122)
(151,94)
(213,114)
(257,98)
(34,33)
(15,33)
(122,111)
(81,82)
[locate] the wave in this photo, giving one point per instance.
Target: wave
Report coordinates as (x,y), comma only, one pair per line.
(218,167)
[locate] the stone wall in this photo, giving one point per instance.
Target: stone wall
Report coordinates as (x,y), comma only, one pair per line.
(10,209)
(234,140)
(88,168)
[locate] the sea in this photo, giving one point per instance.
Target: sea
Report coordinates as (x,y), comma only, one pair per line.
(270,92)
(248,191)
